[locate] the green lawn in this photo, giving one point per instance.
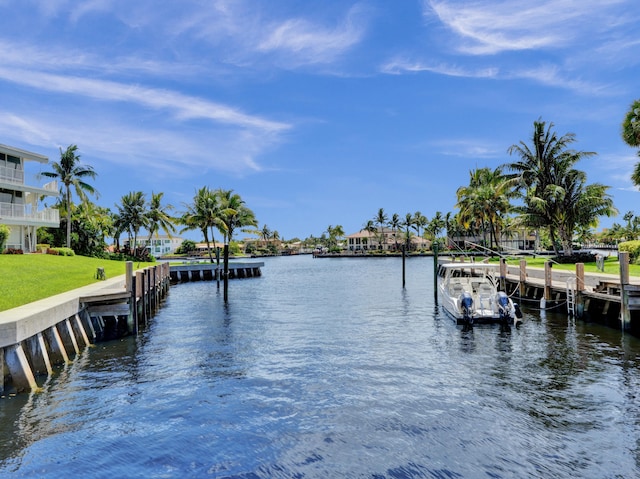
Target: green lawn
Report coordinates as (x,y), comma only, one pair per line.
(30,277)
(611,265)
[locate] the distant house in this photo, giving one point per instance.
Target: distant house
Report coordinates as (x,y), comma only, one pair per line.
(19,202)
(159,245)
(385,239)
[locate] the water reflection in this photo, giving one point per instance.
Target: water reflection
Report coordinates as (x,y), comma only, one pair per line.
(331,369)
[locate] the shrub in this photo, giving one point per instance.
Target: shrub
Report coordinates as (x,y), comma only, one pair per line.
(13,251)
(631,247)
(61,251)
(4,234)
(581,257)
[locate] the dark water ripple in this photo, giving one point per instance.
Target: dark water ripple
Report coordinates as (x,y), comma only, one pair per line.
(328,368)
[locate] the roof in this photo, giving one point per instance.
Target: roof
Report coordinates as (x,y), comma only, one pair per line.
(25,155)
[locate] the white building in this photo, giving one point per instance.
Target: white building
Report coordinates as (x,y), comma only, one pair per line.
(160,244)
(19,202)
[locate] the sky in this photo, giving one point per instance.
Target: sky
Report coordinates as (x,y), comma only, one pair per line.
(317,113)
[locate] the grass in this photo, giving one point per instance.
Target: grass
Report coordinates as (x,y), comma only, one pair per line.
(611,266)
(30,277)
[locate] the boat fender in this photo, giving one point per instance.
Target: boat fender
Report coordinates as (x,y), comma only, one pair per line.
(543,303)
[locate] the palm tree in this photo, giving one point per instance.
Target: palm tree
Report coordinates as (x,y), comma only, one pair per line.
(552,189)
(580,206)
(485,201)
(631,135)
(394,223)
(70,173)
(370,228)
(233,214)
(203,214)
(381,220)
(132,216)
(158,217)
(266,234)
(419,222)
(408,223)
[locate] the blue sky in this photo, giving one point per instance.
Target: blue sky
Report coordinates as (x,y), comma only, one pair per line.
(317,113)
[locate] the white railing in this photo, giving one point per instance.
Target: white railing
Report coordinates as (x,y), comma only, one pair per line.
(11,175)
(28,213)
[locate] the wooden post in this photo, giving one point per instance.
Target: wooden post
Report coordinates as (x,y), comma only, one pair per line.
(503,274)
(226,274)
(403,266)
(580,287)
(580,276)
(548,278)
(523,276)
(435,272)
(625,313)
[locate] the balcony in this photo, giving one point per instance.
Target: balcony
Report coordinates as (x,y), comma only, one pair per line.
(11,175)
(11,213)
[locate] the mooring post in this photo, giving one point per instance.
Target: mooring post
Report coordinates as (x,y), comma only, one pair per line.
(580,287)
(523,277)
(435,272)
(625,313)
(403,266)
(548,277)
(503,274)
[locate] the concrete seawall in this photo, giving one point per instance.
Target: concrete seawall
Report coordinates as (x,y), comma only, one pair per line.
(39,335)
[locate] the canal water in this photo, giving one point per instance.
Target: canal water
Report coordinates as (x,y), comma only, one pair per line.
(328,368)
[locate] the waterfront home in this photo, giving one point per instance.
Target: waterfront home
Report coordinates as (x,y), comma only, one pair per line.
(384,239)
(19,202)
(159,245)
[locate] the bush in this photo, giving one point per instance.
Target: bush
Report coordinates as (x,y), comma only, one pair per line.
(631,247)
(4,234)
(61,251)
(13,251)
(581,257)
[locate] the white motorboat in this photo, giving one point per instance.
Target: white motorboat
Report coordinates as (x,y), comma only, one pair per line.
(469,293)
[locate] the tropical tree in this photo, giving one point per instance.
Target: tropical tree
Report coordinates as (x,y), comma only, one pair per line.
(631,135)
(265,233)
(381,220)
(71,173)
(554,193)
(132,217)
(485,202)
(370,228)
(204,215)
(436,225)
(408,223)
(394,224)
(233,215)
(419,223)
(335,233)
(158,217)
(579,206)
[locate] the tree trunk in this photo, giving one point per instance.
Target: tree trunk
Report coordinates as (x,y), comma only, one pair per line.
(68,217)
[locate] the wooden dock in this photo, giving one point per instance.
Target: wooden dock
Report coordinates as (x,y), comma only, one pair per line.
(609,299)
(199,271)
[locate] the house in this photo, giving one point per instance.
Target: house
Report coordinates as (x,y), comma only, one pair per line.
(385,239)
(159,245)
(19,202)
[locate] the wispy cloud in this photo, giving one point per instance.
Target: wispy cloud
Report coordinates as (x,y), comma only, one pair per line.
(183,106)
(488,27)
(310,43)
(399,65)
